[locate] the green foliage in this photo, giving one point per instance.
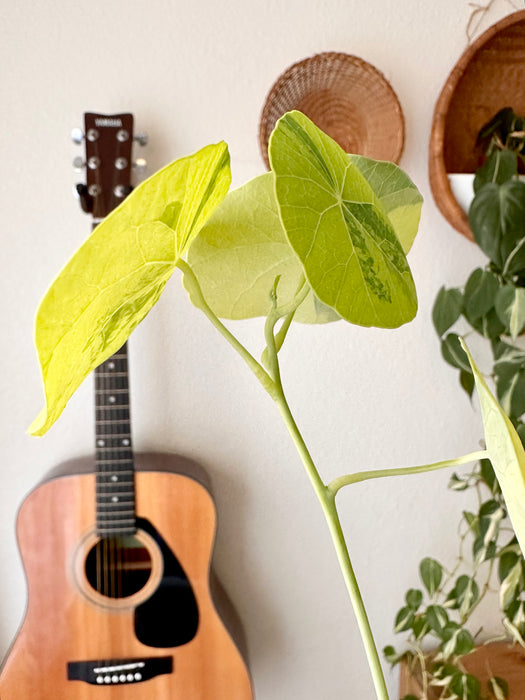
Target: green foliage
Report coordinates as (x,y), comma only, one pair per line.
(245,244)
(277,245)
(492,303)
(114,279)
(439,616)
(350,253)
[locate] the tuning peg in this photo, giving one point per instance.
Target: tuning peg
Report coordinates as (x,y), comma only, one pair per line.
(77,135)
(140,165)
(86,200)
(141,138)
(122,191)
(79,164)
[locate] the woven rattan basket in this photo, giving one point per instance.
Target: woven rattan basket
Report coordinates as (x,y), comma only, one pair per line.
(344,96)
(490,75)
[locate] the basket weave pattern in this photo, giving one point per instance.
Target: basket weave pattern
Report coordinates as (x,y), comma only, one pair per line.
(344,96)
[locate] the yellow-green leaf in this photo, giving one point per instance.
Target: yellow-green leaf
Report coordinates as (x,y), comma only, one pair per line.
(118,274)
(240,252)
(505,452)
(398,194)
(338,227)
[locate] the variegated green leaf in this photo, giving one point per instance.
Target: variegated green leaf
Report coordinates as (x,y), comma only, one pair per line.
(399,196)
(510,307)
(338,228)
(510,584)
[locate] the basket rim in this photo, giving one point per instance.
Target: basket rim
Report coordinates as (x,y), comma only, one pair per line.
(438,176)
(265,127)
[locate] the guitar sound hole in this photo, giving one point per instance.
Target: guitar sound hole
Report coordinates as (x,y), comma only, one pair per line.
(118,567)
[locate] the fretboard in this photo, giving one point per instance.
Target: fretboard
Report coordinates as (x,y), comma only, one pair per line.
(115,484)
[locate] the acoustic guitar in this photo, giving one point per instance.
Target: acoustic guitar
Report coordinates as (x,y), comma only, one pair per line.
(116,548)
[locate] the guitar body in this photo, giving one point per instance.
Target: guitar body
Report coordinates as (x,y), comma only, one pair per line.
(78,643)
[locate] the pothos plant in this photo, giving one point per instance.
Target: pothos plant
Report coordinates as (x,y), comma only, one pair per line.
(437,618)
(322,237)
(491,304)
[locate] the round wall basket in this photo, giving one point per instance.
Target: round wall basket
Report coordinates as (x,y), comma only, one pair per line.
(344,96)
(490,75)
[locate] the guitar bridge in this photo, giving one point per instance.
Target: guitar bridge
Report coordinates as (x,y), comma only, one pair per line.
(119,671)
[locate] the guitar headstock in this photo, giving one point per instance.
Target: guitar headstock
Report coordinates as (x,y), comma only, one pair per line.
(108,161)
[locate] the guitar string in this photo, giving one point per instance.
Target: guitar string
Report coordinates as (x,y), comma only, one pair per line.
(99,545)
(119,551)
(109,543)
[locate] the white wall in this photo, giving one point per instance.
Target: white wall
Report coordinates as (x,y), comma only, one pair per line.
(193,73)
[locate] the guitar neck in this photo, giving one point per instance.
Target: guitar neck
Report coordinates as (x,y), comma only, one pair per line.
(115,483)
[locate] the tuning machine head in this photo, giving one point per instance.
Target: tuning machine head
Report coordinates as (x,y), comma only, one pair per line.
(78,164)
(77,135)
(81,193)
(140,166)
(141,137)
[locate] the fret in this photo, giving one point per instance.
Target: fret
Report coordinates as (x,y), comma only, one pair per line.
(118,435)
(111,374)
(124,495)
(112,390)
(103,421)
(115,433)
(101,450)
(119,472)
(114,402)
(115,407)
(116,508)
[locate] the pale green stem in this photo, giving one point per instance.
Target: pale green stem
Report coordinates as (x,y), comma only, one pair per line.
(198,299)
(327,501)
(326,494)
(273,386)
(341,481)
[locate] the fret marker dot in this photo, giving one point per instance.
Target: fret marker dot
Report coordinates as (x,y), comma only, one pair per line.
(112,399)
(114,499)
(114,477)
(101,443)
(111,365)
(125,442)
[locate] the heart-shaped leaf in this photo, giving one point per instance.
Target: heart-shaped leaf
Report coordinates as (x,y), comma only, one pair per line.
(500,167)
(117,275)
(480,290)
(336,224)
(240,252)
(497,219)
(243,248)
(447,309)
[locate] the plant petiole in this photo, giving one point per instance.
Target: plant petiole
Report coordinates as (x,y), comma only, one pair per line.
(338,483)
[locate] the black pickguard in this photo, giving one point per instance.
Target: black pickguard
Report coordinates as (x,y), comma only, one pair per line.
(170,617)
